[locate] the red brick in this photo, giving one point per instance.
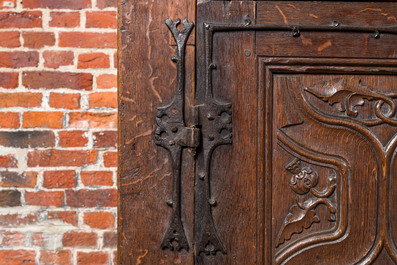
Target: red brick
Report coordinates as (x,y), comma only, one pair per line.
(38,239)
(10,220)
(27,139)
(93,120)
(59,179)
(10,198)
(12,239)
(69,217)
(55,59)
(36,119)
(60,257)
(44,198)
(57,4)
(8,161)
(106,3)
(115,59)
(65,19)
(26,19)
(18,179)
(19,59)
(9,39)
(110,159)
(87,40)
(91,198)
(9,120)
(23,99)
(38,40)
(105,139)
(92,258)
(99,220)
(93,60)
(64,101)
(8,4)
(52,80)
(17,257)
(73,138)
(97,178)
(79,239)
(56,158)
(9,80)
(106,81)
(101,19)
(103,100)
(109,240)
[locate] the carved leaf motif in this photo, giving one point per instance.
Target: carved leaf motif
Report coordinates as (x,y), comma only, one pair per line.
(344,93)
(296,220)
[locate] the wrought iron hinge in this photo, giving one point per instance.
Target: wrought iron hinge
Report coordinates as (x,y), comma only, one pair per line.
(210,125)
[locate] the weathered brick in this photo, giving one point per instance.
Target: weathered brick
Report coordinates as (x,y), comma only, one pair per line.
(17,257)
(97,178)
(65,101)
(115,60)
(8,4)
(38,239)
(106,3)
(9,80)
(59,179)
(23,139)
(11,220)
(91,198)
(19,59)
(106,81)
(8,161)
(101,19)
(92,120)
(56,158)
(87,40)
(23,99)
(38,40)
(9,39)
(55,59)
(109,240)
(36,119)
(110,159)
(93,60)
(92,258)
(103,100)
(105,139)
(44,198)
(60,257)
(9,120)
(10,198)
(26,19)
(65,19)
(12,239)
(57,4)
(52,80)
(73,138)
(69,217)
(79,239)
(99,220)
(18,179)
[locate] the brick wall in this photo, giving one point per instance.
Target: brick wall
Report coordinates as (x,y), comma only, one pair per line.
(58,131)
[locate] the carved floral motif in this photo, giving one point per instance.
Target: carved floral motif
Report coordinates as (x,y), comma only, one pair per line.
(302,214)
(347,93)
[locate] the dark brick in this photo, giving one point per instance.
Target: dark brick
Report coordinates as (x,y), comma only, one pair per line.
(10,198)
(51,80)
(27,139)
(18,179)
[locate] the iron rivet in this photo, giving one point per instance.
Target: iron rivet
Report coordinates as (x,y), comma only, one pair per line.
(202,175)
(377,35)
(172,142)
(212,202)
(336,23)
(247,53)
(174,129)
(295,32)
(210,117)
(170,203)
(211,137)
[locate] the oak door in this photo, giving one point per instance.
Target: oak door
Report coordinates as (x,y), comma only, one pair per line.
(269,138)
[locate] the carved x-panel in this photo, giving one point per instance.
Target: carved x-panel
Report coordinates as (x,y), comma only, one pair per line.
(348,108)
